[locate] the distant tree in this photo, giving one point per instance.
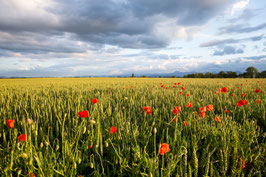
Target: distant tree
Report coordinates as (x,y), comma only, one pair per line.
(133,75)
(210,75)
(173,76)
(231,74)
(201,75)
(221,74)
(262,74)
(251,72)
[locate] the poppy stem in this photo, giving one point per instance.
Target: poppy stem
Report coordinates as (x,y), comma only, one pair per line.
(155,144)
(162,165)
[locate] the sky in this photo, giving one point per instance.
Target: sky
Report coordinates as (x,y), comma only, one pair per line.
(65,38)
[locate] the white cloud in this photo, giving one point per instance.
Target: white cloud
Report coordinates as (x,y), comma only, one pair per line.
(239,6)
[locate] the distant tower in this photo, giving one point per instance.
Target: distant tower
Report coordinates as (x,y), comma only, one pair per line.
(133,75)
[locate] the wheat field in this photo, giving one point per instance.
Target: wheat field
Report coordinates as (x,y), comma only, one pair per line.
(134,127)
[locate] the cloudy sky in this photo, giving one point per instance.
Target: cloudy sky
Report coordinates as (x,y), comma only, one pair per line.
(120,37)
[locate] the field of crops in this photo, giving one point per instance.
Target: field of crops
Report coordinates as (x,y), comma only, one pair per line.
(132,127)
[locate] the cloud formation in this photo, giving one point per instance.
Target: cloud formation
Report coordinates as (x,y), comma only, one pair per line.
(122,23)
(241,28)
(228,50)
(112,37)
(231,41)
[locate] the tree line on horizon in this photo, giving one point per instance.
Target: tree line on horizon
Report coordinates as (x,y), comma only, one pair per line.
(251,72)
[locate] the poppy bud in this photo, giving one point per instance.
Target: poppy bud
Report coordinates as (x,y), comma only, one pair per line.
(18,144)
(29,121)
(106,144)
(30,162)
(35,132)
(79,161)
(41,145)
(84,130)
(91,164)
(92,121)
(46,143)
(154,130)
(57,147)
(24,155)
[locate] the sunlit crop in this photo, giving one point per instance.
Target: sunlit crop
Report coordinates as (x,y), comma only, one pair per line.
(132,127)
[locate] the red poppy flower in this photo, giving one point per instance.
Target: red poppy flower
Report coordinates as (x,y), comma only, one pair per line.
(180,93)
(183,88)
(175,83)
(175,111)
(241,103)
(258,101)
(174,86)
(243,164)
(164,148)
(246,80)
(257,90)
(149,111)
(90,146)
(217,82)
(216,92)
(210,107)
(226,111)
(185,123)
(131,86)
(22,137)
(187,94)
(178,83)
(109,88)
(243,95)
(113,130)
(31,174)
(258,81)
(162,85)
(175,119)
(189,105)
(219,89)
(238,87)
(233,94)
(241,84)
(166,88)
(10,123)
(202,114)
(83,114)
(262,86)
(146,108)
(223,90)
(203,109)
(218,119)
(94,100)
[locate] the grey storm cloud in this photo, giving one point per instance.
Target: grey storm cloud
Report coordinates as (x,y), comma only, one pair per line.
(231,41)
(122,23)
(228,50)
(40,43)
(240,28)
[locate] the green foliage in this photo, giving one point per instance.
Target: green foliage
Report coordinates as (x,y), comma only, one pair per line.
(58,141)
